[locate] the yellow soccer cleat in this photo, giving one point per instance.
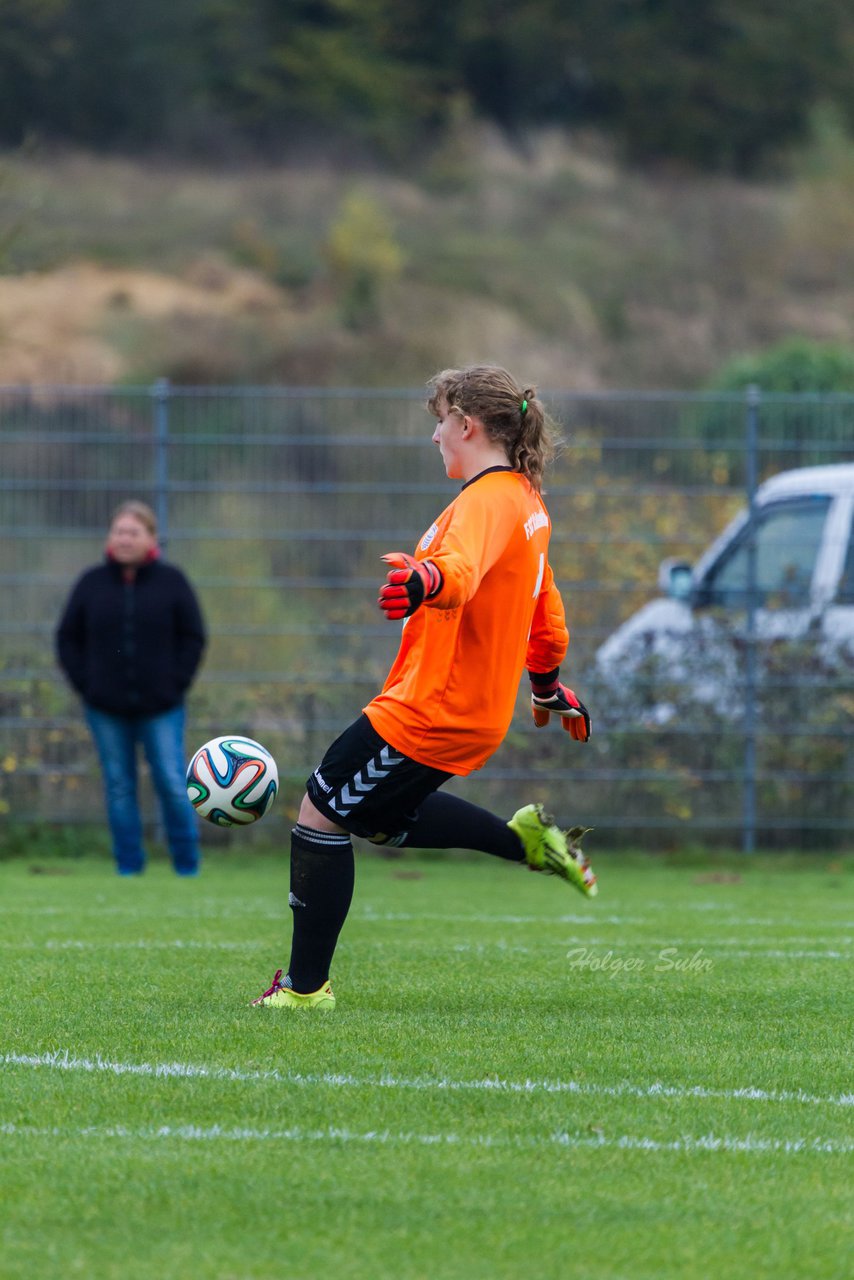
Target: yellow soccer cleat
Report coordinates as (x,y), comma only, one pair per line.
(281,997)
(553,851)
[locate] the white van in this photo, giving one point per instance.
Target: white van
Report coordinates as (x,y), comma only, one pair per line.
(804,574)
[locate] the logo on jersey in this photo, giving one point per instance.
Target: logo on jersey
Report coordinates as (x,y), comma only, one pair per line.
(430,535)
(538,520)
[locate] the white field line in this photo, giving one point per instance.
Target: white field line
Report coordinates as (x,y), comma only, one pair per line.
(646,945)
(364,911)
(777,954)
(640,942)
(412,917)
(365,915)
(139,944)
(502,947)
(562,1140)
(707,947)
(806,939)
(741,946)
(62,1060)
(199,910)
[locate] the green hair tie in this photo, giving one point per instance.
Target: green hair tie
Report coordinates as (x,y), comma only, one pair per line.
(524,407)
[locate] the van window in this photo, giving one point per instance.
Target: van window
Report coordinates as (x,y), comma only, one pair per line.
(845,594)
(788,538)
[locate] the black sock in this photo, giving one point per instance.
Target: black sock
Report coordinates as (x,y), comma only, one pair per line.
(322,876)
(447,822)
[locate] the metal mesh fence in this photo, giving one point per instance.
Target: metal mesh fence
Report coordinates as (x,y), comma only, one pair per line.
(278,503)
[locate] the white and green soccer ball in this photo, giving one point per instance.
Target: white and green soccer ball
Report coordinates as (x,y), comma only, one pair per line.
(232,781)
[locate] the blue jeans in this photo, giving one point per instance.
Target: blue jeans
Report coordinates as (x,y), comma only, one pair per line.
(162,739)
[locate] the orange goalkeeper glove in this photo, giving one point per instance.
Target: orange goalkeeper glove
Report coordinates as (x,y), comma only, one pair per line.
(549,697)
(407,585)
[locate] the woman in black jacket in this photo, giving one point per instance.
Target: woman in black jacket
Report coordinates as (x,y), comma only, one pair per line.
(130,641)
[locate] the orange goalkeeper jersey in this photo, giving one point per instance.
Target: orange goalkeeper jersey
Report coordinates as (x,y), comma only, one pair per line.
(449,697)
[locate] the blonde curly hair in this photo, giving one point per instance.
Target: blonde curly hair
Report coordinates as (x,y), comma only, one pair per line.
(512,415)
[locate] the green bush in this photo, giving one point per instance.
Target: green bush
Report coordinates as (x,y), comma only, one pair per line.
(805,405)
(794,366)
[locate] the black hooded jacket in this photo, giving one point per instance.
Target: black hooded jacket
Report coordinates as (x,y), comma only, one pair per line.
(131,647)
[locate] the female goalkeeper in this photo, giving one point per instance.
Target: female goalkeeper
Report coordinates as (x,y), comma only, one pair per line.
(479,605)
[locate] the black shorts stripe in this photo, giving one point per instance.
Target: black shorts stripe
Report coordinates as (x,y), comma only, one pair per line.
(367,786)
(364,781)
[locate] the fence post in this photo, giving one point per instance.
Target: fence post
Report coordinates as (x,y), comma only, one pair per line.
(160,394)
(748,826)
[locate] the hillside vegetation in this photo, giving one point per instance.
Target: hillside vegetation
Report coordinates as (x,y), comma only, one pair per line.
(716,86)
(552,258)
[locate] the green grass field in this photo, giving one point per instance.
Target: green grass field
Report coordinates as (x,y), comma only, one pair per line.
(516,1082)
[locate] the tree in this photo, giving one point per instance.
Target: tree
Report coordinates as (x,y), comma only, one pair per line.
(714,83)
(709,83)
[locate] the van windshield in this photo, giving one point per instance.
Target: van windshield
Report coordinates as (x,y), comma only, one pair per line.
(788,539)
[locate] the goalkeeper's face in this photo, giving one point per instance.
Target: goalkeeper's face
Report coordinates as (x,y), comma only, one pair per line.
(450,436)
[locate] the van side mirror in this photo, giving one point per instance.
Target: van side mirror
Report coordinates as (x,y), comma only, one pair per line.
(676,579)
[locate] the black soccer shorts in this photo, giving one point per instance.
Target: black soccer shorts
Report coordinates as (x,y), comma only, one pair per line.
(366,786)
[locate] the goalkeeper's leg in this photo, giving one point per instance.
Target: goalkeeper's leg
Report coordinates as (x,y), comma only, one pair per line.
(447,822)
(322,877)
(322,873)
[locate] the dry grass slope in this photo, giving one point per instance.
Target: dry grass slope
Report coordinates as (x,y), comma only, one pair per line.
(556,261)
